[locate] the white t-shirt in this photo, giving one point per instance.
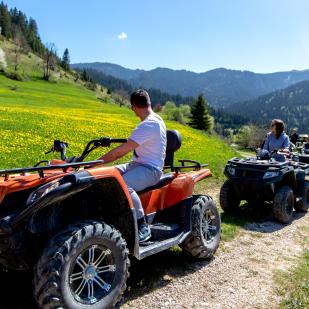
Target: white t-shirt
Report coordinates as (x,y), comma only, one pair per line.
(150,135)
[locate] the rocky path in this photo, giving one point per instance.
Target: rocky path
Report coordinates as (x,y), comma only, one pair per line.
(240,276)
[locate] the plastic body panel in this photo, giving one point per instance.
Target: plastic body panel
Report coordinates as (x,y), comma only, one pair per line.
(179,189)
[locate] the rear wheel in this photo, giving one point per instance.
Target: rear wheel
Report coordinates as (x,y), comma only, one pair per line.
(303,204)
(205,236)
(229,201)
(283,204)
(85,266)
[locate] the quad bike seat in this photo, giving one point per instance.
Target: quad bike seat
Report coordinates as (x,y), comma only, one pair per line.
(164,180)
(173,143)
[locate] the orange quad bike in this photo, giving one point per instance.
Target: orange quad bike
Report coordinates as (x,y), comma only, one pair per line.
(74,223)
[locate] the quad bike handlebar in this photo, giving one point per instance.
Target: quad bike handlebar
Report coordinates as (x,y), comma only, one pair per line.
(106,141)
(59,146)
(73,162)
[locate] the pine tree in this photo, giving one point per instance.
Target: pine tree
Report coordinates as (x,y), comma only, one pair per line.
(65,62)
(14,15)
(22,22)
(33,27)
(84,76)
(5,21)
(200,118)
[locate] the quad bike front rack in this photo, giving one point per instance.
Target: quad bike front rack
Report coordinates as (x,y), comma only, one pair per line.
(41,169)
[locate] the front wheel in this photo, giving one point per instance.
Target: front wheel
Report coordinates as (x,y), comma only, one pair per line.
(229,201)
(85,266)
(283,204)
(206,231)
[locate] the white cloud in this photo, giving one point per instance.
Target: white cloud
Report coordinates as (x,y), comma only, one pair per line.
(122,36)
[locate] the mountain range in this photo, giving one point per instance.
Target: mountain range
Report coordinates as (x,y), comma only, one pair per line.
(290,104)
(221,87)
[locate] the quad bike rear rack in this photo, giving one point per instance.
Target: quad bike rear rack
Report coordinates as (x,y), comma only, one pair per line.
(196,167)
(301,166)
(41,169)
(253,162)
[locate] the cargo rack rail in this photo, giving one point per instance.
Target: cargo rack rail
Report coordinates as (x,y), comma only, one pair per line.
(41,169)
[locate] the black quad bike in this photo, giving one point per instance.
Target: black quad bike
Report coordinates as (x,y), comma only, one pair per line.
(256,180)
(301,154)
(73,223)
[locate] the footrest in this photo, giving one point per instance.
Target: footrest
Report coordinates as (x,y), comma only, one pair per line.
(160,231)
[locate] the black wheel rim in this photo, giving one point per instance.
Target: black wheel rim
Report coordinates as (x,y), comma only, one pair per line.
(92,274)
(209,226)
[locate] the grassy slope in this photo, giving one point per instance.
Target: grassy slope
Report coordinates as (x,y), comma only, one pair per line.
(29,64)
(34,113)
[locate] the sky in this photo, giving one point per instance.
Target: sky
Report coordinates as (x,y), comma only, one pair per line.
(197,35)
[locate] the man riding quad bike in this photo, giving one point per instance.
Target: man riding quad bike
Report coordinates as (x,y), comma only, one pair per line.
(148,141)
(75,222)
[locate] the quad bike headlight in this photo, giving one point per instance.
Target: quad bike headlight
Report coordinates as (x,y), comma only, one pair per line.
(270,175)
(42,191)
(231,170)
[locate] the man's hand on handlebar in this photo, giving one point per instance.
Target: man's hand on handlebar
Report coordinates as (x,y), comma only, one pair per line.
(60,146)
(119,151)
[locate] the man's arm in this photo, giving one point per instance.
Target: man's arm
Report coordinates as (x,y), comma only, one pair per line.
(119,151)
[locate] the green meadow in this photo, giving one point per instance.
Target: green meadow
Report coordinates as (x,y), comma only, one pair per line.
(34,113)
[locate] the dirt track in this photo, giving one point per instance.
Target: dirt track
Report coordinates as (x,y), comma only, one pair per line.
(240,276)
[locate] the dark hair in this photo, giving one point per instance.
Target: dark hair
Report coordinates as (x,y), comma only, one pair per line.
(279,125)
(140,98)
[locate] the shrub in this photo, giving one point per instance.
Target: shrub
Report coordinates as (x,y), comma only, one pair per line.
(15,75)
(250,136)
(179,114)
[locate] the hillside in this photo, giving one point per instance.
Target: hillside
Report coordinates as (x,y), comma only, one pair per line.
(290,104)
(223,120)
(34,113)
(123,87)
(221,87)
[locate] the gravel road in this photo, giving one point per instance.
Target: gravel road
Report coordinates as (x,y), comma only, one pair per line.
(240,275)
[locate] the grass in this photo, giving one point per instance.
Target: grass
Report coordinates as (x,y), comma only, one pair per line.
(34,113)
(294,285)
